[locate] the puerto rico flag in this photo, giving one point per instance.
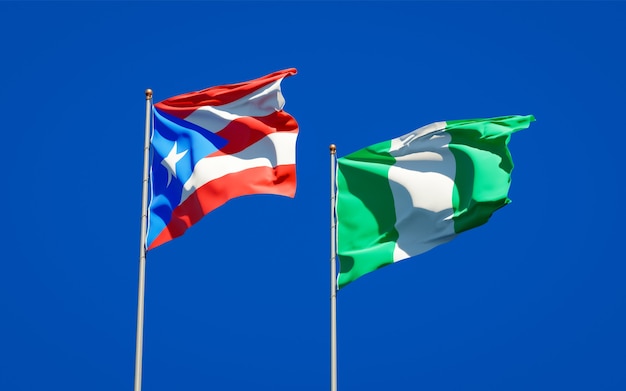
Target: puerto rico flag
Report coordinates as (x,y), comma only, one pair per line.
(216,144)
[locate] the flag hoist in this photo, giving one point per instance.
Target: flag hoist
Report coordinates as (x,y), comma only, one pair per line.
(400,198)
(202,149)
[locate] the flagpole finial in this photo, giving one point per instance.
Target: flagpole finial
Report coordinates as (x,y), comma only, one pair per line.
(333,148)
(148,94)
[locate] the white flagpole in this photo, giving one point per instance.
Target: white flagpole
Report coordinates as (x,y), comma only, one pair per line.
(333,274)
(142,245)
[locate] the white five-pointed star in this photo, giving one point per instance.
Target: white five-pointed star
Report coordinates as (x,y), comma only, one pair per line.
(170,162)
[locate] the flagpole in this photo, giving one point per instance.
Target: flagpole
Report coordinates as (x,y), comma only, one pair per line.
(142,245)
(333,274)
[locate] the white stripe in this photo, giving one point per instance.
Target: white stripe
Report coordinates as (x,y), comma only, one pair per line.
(422,181)
(276,149)
(260,103)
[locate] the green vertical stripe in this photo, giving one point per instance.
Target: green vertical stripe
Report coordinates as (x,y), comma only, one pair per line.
(483,167)
(365,211)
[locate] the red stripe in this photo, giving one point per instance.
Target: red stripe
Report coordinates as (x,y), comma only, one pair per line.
(245,131)
(183,105)
(280,180)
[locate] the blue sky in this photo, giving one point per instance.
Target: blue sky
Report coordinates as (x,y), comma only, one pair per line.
(533,300)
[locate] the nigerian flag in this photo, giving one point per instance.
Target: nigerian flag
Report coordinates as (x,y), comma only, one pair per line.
(400,198)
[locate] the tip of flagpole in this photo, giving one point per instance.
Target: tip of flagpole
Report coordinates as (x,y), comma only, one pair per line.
(333,148)
(148,94)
